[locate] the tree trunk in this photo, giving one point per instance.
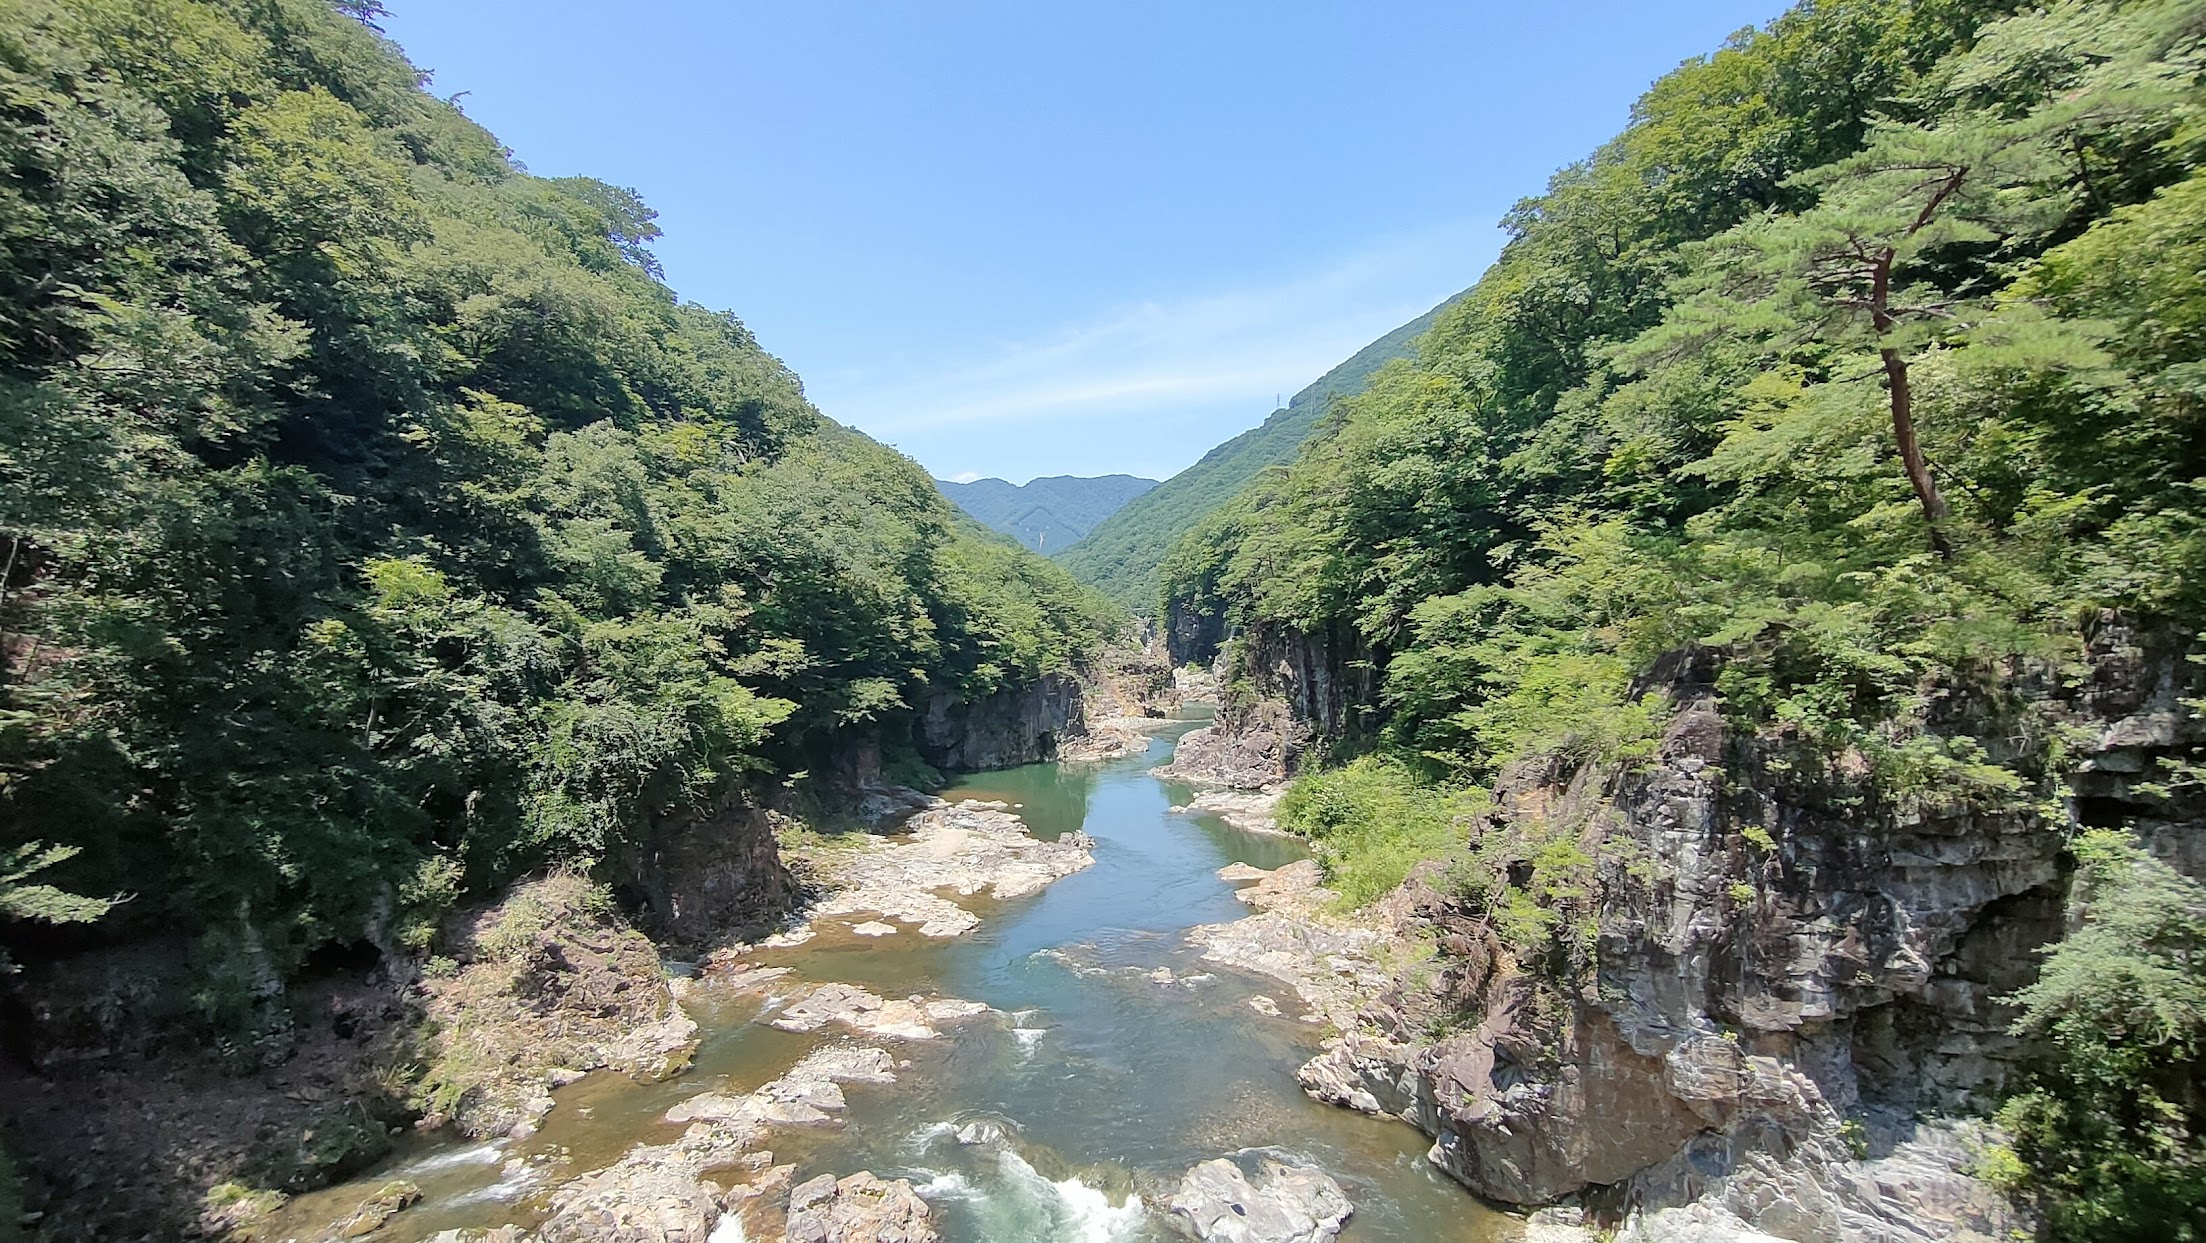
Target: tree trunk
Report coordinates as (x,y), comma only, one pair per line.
(1903,412)
(1911,453)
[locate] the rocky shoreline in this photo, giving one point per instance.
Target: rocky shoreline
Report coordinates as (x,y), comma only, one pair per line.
(721,1167)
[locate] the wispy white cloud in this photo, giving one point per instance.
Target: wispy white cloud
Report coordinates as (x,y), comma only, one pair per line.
(1238,346)
(965,476)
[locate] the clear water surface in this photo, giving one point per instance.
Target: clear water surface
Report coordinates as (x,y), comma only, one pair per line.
(1105,1080)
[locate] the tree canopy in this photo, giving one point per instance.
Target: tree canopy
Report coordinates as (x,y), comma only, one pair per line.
(1865,357)
(375,523)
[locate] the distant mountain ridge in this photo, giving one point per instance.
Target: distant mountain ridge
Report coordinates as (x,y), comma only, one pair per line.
(1046,514)
(1121,554)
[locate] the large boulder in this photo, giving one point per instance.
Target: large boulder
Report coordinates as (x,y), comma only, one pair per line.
(1285,1204)
(858,1209)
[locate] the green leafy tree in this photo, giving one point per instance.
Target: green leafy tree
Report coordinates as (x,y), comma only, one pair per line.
(2111,1128)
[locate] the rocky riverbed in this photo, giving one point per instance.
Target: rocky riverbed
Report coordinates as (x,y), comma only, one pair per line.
(973,1030)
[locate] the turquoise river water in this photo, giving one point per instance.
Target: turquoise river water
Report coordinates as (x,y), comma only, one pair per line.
(1106,1083)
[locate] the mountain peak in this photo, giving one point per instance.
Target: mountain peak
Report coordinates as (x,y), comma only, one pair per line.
(1048,513)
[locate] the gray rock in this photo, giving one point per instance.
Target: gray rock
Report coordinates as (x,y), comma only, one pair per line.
(1285,1204)
(857,1209)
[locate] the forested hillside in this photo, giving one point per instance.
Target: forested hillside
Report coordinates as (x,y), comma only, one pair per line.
(1049,513)
(1867,365)
(376,526)
(1120,556)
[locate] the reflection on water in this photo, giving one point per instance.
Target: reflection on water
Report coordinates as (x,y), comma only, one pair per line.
(1117,1060)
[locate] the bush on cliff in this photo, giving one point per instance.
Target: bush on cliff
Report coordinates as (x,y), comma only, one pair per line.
(1372,820)
(2115,1127)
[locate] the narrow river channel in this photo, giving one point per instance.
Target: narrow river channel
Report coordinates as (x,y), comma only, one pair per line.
(1126,1058)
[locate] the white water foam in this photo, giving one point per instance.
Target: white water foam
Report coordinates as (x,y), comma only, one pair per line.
(490,1153)
(729,1229)
(1070,1210)
(520,1179)
(923,1138)
(946,1186)
(1028,1037)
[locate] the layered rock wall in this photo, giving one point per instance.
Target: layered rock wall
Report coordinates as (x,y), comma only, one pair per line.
(1019,725)
(1778,969)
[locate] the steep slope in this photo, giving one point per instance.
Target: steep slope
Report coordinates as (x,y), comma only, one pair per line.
(378,526)
(1764,622)
(1049,513)
(1120,556)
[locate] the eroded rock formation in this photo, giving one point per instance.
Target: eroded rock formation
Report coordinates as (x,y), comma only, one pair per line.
(1282,1204)
(1777,980)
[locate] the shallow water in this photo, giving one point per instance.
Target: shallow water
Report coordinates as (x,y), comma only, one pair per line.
(1098,1087)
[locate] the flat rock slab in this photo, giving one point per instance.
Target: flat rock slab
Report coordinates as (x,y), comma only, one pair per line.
(1250,812)
(1284,1204)
(1295,937)
(655,1194)
(806,1096)
(912,1018)
(966,848)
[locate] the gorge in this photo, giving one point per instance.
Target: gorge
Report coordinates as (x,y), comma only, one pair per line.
(1698,738)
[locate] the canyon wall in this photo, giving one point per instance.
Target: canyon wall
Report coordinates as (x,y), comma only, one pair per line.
(1776,976)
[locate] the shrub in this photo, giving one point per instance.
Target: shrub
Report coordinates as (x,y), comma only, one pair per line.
(1373,820)
(2110,1124)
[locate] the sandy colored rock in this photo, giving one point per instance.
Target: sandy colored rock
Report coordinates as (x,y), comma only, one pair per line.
(857,1209)
(1248,811)
(387,1202)
(654,1194)
(912,1018)
(808,1095)
(967,848)
(1333,964)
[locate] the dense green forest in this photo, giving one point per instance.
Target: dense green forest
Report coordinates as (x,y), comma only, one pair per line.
(376,526)
(1049,513)
(1121,555)
(1871,356)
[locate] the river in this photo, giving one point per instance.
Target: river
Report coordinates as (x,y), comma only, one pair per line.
(1108,1081)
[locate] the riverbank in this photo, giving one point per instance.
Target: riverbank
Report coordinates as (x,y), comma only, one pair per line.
(1069,1056)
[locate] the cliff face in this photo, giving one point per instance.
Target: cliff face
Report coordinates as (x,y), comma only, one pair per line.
(1283,692)
(1015,726)
(701,872)
(1780,971)
(1192,635)
(698,873)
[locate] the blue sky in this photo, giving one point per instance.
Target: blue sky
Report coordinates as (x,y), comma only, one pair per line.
(1056,236)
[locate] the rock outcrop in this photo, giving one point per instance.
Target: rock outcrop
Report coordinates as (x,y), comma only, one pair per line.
(1018,725)
(912,1018)
(1254,747)
(659,1193)
(1246,811)
(655,1194)
(809,1095)
(551,982)
(968,848)
(1769,960)
(1296,938)
(1129,691)
(1282,1204)
(858,1208)
(698,873)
